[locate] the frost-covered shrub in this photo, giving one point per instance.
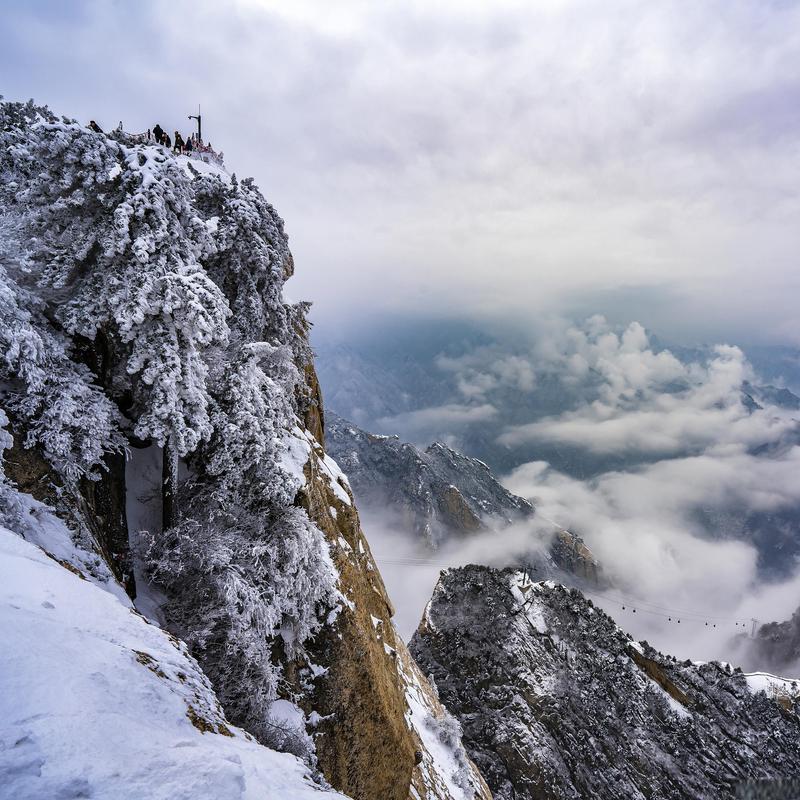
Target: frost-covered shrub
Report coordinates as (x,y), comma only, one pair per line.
(237,584)
(251,254)
(138,295)
(11,510)
(281,736)
(449,733)
(252,413)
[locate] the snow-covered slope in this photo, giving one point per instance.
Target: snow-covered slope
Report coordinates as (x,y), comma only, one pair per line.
(96,702)
(557,702)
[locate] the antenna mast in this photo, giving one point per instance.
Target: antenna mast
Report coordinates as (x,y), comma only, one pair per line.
(199,119)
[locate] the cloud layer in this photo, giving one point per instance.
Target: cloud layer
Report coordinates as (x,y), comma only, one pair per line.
(503,158)
(649,402)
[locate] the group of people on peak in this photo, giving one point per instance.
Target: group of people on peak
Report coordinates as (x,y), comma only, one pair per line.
(192,144)
(177,144)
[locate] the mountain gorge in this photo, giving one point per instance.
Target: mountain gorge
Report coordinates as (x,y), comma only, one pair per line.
(562,409)
(441,497)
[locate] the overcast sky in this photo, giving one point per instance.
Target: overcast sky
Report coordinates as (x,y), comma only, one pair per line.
(636,159)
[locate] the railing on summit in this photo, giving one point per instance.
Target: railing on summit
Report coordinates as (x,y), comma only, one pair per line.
(199,151)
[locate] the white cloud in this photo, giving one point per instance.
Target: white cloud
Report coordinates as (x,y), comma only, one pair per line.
(649,402)
(492,158)
(643,528)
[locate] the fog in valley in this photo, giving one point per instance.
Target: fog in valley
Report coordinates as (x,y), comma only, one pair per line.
(678,467)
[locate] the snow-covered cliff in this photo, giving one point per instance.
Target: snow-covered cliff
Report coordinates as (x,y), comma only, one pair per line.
(158,395)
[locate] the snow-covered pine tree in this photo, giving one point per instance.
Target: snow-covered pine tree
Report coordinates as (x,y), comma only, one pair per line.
(62,410)
(244,564)
(115,240)
(125,260)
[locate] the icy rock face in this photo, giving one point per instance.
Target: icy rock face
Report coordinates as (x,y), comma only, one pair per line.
(557,702)
(439,492)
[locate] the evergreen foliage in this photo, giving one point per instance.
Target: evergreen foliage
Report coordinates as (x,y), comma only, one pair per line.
(141,301)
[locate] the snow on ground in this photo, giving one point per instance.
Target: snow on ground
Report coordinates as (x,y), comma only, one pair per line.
(38,524)
(336,477)
(96,702)
(444,767)
(299,444)
(296,454)
(772,685)
(203,167)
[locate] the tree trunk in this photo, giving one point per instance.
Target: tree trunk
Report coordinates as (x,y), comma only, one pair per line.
(169,485)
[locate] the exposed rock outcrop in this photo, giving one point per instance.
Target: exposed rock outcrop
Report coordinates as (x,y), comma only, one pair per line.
(557,702)
(376,710)
(572,555)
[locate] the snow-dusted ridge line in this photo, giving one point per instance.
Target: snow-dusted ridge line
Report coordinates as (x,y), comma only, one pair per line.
(97,702)
(552,694)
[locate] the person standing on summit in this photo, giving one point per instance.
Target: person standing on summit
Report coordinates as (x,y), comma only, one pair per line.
(158,133)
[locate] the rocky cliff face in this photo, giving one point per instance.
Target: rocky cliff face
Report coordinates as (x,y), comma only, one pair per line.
(379,728)
(557,702)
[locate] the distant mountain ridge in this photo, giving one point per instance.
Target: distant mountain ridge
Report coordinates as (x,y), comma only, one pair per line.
(440,491)
(441,494)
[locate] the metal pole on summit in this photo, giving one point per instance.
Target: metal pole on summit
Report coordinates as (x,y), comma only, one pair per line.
(199,119)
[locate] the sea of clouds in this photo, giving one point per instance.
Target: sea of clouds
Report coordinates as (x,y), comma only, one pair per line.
(704,452)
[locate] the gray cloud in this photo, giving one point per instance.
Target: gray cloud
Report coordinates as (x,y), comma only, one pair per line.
(488,368)
(671,528)
(443,417)
(490,159)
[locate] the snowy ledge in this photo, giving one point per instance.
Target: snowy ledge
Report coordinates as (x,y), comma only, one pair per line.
(96,702)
